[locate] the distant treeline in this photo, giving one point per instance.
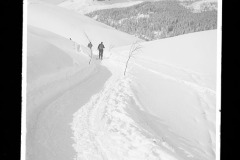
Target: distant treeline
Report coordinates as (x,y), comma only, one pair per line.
(155,20)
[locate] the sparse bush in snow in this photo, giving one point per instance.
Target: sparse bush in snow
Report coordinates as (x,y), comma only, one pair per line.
(135,48)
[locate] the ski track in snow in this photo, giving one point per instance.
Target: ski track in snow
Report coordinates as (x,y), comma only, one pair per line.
(103,129)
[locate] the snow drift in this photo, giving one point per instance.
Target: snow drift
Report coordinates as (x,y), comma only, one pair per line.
(174,84)
(79,28)
(56,64)
(53,66)
(163,109)
(52,55)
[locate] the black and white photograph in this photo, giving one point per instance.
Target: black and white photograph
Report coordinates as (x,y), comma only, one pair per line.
(121,80)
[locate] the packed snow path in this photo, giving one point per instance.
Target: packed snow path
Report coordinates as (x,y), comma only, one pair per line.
(49,131)
(109,123)
(104,130)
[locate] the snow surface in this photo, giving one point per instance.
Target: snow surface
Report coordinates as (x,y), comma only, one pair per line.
(87,6)
(79,28)
(164,108)
(177,85)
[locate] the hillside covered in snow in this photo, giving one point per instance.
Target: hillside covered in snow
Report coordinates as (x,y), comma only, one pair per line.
(164,108)
(150,20)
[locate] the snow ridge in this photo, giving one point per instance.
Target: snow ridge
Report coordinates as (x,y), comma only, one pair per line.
(103,129)
(190,84)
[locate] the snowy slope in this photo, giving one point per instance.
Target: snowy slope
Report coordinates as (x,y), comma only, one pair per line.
(193,53)
(49,53)
(56,64)
(86,6)
(53,66)
(49,31)
(186,80)
(78,27)
(164,108)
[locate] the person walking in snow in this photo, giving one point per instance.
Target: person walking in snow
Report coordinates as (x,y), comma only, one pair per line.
(90,54)
(100,48)
(90,45)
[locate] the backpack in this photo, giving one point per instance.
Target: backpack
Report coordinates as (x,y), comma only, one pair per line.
(100,46)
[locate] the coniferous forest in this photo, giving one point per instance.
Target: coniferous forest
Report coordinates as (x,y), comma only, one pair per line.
(156,20)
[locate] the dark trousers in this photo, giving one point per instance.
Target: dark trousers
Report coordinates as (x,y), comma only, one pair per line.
(100,53)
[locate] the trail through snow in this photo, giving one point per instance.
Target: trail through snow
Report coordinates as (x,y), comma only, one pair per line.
(103,128)
(115,125)
(110,123)
(163,109)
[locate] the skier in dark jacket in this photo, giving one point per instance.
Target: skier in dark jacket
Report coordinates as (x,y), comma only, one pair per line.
(90,45)
(100,48)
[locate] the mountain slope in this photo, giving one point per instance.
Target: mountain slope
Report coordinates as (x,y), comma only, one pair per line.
(163,109)
(78,27)
(157,19)
(84,7)
(56,64)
